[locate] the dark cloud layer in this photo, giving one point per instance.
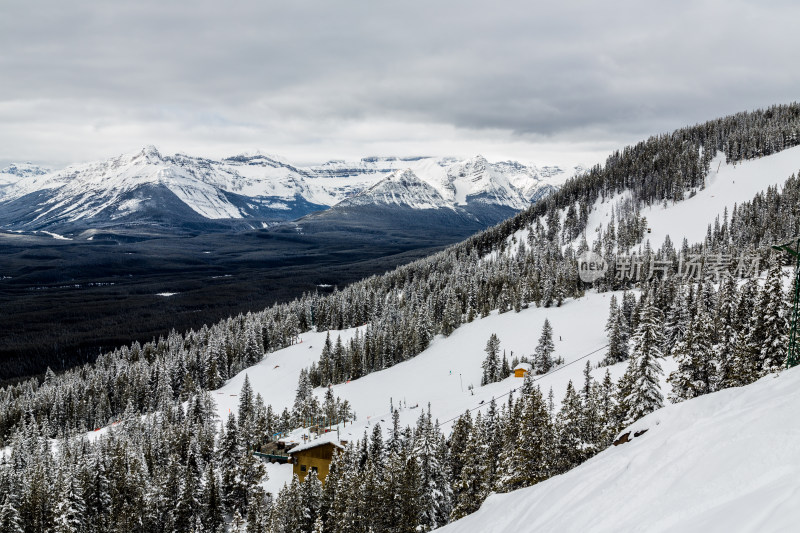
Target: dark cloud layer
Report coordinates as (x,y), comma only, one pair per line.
(317,78)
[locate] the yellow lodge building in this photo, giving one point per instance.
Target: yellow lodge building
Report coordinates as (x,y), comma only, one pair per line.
(314,456)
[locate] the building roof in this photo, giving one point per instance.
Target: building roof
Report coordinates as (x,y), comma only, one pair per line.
(523,366)
(315,443)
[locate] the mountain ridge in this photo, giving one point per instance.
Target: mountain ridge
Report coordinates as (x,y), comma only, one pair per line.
(252,189)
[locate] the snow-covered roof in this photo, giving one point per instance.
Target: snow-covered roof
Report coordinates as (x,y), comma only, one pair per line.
(523,366)
(314,443)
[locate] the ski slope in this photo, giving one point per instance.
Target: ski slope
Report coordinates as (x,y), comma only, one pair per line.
(442,374)
(726,461)
(726,186)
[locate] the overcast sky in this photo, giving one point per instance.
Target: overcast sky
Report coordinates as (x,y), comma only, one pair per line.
(316,80)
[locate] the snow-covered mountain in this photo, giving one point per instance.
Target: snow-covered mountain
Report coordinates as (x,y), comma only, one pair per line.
(401,188)
(694,469)
(251,190)
(15,172)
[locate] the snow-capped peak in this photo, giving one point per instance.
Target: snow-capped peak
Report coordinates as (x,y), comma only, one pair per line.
(477,180)
(24,170)
(400,188)
(16,172)
(150,153)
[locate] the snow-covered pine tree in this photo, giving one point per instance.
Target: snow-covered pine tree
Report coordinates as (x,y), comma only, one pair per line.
(590,399)
(569,427)
(69,511)
(230,453)
(304,399)
(645,390)
(726,330)
(459,438)
(696,374)
(606,408)
(677,321)
(772,326)
(491,365)
(530,459)
(10,520)
(746,363)
(543,354)
(246,400)
(286,512)
(470,489)
(434,490)
(310,496)
(617,342)
(211,500)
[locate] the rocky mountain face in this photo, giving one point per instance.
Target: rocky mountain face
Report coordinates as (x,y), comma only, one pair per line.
(146,190)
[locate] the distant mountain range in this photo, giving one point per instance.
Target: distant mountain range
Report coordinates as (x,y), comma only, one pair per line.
(148,191)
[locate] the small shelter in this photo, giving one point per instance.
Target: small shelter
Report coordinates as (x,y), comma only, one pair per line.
(521,370)
(314,456)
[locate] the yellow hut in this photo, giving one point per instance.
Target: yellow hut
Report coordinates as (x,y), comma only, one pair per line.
(521,369)
(314,456)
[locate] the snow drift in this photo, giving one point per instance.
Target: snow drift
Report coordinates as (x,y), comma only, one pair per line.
(722,462)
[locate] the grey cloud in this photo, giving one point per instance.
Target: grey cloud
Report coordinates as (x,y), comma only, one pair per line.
(302,73)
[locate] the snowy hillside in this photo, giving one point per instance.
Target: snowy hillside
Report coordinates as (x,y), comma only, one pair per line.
(725,186)
(15,172)
(141,186)
(722,462)
(424,351)
(438,373)
(443,374)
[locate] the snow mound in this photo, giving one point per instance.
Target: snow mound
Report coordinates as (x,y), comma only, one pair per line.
(722,462)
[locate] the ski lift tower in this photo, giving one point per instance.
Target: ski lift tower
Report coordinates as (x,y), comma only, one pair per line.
(793,249)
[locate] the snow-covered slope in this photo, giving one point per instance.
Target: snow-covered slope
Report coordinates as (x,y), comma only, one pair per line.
(16,171)
(725,186)
(722,462)
(442,375)
(476,179)
(146,186)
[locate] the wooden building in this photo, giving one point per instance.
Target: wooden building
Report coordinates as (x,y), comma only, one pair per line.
(314,456)
(521,369)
